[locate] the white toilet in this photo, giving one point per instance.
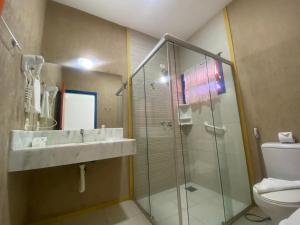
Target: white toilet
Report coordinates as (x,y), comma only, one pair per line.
(282,161)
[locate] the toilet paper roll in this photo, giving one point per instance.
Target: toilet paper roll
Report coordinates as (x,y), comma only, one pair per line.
(286,137)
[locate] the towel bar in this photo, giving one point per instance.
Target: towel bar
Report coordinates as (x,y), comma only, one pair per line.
(14,41)
(206,124)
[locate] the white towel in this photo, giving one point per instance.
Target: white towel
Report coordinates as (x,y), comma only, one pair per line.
(294,219)
(271,184)
(36,96)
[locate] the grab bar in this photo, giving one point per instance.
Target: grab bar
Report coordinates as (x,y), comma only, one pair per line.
(206,124)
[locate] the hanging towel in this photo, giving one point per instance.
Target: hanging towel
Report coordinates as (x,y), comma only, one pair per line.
(36,96)
(45,112)
(271,184)
(200,83)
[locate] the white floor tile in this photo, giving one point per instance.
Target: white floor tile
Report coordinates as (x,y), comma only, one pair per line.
(255,210)
(136,220)
(205,208)
(164,210)
(122,212)
(93,218)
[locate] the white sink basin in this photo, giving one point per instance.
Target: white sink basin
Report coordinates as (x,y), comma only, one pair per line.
(66,147)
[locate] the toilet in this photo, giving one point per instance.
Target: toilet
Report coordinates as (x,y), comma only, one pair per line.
(282,161)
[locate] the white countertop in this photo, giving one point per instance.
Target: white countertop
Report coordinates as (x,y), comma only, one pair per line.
(28,158)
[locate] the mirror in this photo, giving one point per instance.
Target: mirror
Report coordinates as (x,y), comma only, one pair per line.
(86,100)
(82,73)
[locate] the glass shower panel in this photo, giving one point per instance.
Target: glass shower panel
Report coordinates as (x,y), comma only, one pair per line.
(190,166)
(162,172)
(234,174)
(200,156)
(141,163)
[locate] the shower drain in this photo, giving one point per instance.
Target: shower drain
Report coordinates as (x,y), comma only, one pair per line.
(191,189)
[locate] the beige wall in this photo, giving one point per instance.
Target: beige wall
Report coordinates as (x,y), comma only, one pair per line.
(55,191)
(140,46)
(266,44)
(51,74)
(212,36)
(26,21)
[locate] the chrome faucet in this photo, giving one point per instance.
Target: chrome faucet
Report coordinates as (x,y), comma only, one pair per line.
(169,124)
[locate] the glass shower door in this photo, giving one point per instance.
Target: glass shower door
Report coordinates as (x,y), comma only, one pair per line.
(141,162)
(230,146)
(203,186)
(190,166)
(161,140)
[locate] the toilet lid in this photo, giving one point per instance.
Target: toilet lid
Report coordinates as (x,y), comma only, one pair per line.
(284,197)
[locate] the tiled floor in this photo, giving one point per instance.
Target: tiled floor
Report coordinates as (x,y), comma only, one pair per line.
(255,210)
(127,213)
(204,206)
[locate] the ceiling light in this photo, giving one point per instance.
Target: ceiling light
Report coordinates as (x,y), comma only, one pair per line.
(85,63)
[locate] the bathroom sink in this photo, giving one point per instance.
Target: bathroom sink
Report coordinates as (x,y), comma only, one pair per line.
(66,147)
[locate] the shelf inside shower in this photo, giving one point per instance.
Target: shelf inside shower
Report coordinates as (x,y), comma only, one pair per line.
(185,115)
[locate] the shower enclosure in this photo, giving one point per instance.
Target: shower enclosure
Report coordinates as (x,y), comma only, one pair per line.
(190,166)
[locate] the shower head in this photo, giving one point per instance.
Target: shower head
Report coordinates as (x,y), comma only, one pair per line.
(163,69)
(164,75)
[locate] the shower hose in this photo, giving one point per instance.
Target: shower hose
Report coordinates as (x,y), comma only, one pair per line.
(256,218)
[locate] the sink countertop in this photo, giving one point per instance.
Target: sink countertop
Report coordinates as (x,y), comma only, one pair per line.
(29,158)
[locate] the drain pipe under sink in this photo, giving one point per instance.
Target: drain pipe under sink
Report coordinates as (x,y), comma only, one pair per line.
(82,178)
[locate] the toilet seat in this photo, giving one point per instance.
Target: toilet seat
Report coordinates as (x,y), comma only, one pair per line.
(285,197)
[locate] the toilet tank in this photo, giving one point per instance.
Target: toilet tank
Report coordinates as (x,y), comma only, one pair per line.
(282,161)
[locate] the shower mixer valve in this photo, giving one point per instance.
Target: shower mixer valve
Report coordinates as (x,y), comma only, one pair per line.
(166,124)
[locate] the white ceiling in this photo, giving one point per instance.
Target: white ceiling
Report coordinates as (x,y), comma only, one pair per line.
(153,17)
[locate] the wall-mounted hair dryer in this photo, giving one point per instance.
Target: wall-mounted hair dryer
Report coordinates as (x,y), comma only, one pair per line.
(32,64)
(31,67)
